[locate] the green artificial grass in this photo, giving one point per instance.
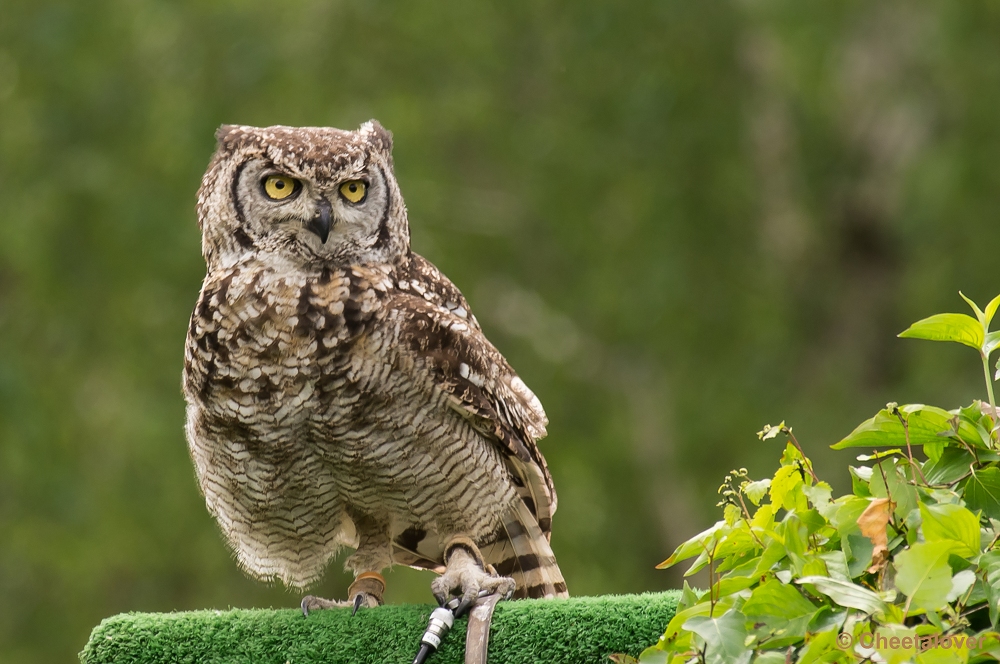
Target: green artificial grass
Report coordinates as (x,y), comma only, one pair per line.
(578,630)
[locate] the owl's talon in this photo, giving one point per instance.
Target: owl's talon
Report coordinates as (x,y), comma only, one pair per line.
(366,591)
(464,606)
(313,603)
(467,576)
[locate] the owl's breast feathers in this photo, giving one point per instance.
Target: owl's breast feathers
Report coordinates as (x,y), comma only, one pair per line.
(258,335)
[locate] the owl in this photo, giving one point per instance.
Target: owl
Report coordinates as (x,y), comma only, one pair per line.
(340,393)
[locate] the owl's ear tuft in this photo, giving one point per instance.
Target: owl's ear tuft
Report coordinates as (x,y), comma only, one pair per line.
(378,136)
(227,134)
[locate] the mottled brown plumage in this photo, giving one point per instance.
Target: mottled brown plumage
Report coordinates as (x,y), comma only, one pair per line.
(340,392)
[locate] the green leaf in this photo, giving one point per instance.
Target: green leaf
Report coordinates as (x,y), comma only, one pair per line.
(981,492)
(990,563)
(739,542)
(774,599)
(991,309)
(859,551)
(923,574)
(724,637)
(836,565)
(925,423)
(821,644)
(846,594)
(827,617)
(794,533)
(878,455)
(780,612)
(895,485)
(774,553)
(947,327)
(820,495)
(728,586)
(689,597)
(731,514)
(933,451)
(786,480)
(893,651)
(696,545)
(738,566)
(978,594)
(756,491)
(975,307)
(856,547)
(812,519)
(654,655)
(941,655)
(769,431)
(763,518)
(973,412)
(950,467)
(860,479)
(960,584)
(991,342)
(988,649)
(951,523)
(674,633)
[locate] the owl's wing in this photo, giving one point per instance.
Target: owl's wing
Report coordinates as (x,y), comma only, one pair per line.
(481,386)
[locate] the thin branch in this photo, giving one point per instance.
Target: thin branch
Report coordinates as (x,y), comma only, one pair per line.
(888,494)
(909,450)
(746,513)
(795,442)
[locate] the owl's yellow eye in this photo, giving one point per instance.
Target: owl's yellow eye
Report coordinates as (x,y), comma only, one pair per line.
(354,190)
(279,187)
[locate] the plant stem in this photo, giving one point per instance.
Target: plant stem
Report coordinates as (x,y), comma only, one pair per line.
(795,441)
(888,494)
(993,542)
(914,467)
(711,582)
(989,383)
(746,515)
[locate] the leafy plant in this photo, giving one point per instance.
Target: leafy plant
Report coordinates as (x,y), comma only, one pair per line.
(910,556)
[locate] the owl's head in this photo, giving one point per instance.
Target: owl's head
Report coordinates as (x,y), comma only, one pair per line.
(313,195)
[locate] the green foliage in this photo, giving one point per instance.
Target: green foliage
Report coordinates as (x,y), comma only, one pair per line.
(963,329)
(911,554)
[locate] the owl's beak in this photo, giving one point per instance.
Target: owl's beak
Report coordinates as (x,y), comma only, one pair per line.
(320,224)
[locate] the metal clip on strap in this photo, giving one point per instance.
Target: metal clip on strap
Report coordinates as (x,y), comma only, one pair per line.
(477,636)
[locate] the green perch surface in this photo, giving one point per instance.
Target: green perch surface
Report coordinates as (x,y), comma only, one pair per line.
(578,630)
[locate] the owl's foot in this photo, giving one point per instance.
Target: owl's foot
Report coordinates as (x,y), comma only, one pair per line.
(466,575)
(366,591)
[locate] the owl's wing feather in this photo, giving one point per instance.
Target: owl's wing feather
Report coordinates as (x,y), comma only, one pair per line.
(481,385)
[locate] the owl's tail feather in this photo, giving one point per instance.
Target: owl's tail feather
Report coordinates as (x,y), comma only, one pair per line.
(523,553)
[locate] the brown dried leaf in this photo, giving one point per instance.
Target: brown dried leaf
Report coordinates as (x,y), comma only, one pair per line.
(623,659)
(873,522)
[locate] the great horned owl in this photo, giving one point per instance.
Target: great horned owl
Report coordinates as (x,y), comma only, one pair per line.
(341,393)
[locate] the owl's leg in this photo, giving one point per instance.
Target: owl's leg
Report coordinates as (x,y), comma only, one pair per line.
(467,574)
(374,554)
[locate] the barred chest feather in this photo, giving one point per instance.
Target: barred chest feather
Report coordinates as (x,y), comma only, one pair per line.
(308,424)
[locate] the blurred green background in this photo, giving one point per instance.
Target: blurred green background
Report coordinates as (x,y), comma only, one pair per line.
(679,220)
